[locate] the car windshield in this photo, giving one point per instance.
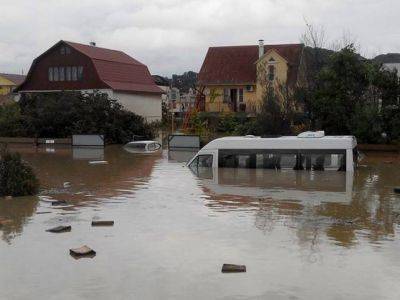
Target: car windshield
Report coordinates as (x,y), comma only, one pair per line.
(137,145)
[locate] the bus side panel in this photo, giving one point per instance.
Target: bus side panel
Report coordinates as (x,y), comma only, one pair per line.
(349,161)
(215,158)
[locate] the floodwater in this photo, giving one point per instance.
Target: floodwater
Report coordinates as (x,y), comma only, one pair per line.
(301,234)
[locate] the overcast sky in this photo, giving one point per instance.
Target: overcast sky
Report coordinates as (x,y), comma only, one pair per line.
(172,36)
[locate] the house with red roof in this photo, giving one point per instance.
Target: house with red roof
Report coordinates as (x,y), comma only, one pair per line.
(8,82)
(235,78)
(69,66)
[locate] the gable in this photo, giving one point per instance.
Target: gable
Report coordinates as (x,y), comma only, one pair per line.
(38,75)
(103,69)
(272,54)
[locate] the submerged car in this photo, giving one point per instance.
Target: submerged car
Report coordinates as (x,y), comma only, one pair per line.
(143,147)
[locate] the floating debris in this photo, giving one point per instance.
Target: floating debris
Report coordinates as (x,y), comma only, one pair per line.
(43,212)
(98,162)
(397,190)
(388,161)
(102,223)
(59,202)
(230,268)
(59,229)
(4,221)
(8,197)
(67,184)
(83,251)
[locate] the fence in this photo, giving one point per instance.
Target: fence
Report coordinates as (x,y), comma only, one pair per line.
(183,142)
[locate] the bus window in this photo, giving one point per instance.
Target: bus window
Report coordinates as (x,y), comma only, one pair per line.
(227,160)
(288,161)
(201,161)
(205,161)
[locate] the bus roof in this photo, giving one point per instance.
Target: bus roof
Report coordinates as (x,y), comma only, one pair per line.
(284,142)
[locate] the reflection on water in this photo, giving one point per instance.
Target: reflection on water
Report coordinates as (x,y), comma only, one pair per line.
(15,214)
(337,204)
(301,234)
(181,155)
(66,175)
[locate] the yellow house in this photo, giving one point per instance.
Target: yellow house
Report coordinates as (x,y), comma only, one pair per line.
(234,78)
(8,82)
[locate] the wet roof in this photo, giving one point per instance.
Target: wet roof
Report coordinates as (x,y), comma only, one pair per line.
(286,142)
(236,64)
(15,78)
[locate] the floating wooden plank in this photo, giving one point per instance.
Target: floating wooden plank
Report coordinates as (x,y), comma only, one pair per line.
(59,229)
(102,223)
(4,221)
(98,162)
(59,202)
(82,251)
(230,268)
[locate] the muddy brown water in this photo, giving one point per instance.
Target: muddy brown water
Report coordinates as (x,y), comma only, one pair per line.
(301,235)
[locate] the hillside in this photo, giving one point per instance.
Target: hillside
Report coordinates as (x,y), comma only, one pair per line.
(388,58)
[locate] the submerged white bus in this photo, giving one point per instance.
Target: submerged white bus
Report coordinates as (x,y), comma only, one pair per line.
(307,151)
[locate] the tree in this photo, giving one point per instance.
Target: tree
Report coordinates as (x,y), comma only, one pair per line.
(341,87)
(274,116)
(64,114)
(10,120)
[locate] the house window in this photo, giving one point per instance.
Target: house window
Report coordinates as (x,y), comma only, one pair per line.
(227,94)
(271,73)
(68,73)
(240,95)
(50,74)
(65,50)
(65,73)
(74,74)
(61,73)
(55,74)
(80,73)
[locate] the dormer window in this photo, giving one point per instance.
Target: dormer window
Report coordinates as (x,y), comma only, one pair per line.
(65,50)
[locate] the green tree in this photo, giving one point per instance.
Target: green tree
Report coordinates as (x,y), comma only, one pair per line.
(342,84)
(274,117)
(10,120)
(67,113)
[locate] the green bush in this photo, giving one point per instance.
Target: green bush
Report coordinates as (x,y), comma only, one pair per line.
(60,115)
(367,124)
(10,120)
(391,122)
(229,122)
(16,177)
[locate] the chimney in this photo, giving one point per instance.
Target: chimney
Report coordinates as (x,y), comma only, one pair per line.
(260,48)
(93,44)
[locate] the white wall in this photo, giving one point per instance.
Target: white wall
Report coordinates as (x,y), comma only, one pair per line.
(146,105)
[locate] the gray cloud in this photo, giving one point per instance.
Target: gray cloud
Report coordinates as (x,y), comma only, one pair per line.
(172,36)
